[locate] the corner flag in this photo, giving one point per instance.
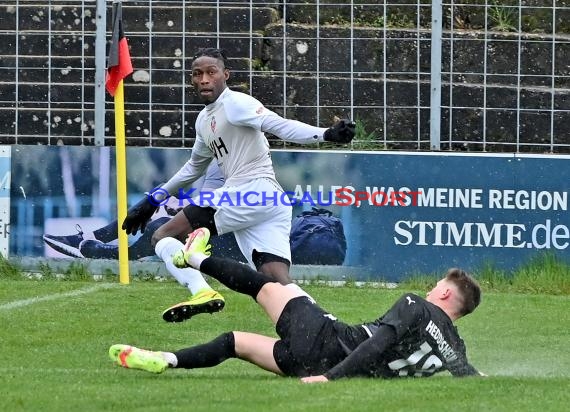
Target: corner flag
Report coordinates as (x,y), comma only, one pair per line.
(119,63)
(120,66)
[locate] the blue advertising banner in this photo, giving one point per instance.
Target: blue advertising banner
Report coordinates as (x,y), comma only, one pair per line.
(407,213)
(402,213)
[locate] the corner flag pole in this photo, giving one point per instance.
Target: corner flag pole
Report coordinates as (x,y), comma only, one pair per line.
(119,67)
(121,162)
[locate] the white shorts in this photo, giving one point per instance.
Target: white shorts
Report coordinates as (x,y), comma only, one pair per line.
(258,213)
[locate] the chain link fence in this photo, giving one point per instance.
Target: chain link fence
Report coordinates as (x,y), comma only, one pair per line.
(494,77)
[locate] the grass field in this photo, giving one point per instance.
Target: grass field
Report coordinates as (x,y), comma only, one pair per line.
(55,336)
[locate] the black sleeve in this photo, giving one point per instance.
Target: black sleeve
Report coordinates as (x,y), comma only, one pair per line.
(367,357)
(404,315)
(465,370)
(460,367)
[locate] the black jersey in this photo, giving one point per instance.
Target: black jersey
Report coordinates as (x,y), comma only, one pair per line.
(425,342)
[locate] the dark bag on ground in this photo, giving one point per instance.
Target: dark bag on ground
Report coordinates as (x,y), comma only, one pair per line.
(317,238)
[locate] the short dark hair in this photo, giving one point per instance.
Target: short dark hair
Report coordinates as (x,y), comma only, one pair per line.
(219,54)
(468,288)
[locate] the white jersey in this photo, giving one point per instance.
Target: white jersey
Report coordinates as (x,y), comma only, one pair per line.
(230,130)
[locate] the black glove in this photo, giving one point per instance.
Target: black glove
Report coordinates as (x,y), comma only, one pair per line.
(341,132)
(138,216)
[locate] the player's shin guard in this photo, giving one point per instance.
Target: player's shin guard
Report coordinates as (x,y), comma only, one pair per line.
(209,354)
(236,276)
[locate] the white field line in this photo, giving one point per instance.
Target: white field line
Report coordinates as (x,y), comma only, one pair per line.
(26,302)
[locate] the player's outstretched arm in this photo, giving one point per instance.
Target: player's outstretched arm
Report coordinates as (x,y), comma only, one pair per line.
(342,131)
(192,170)
(139,215)
(460,367)
(292,130)
(367,357)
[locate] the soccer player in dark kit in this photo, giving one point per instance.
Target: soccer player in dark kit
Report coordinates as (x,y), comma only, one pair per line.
(415,337)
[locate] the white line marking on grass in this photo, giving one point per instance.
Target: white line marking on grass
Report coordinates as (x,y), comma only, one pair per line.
(26,302)
(47,371)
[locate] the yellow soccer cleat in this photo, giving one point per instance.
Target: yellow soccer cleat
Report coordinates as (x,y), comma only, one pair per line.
(135,358)
(205,301)
(196,242)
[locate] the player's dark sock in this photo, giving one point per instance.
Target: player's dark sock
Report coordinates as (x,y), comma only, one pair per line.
(208,354)
(236,276)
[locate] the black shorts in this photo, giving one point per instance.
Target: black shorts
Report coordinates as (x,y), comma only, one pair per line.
(308,344)
(201,217)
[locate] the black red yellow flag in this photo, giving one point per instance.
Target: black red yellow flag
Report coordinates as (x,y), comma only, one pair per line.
(119,63)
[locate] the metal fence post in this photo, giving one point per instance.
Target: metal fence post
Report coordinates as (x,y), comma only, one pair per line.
(435,79)
(100,63)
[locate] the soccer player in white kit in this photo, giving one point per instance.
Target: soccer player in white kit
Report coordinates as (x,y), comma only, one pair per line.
(251,203)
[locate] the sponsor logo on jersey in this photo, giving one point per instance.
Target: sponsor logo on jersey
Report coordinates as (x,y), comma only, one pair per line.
(218,147)
(213,124)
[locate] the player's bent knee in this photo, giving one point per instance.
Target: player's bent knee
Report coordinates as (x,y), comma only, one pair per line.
(270,291)
(245,345)
(257,349)
(156,237)
(273,297)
